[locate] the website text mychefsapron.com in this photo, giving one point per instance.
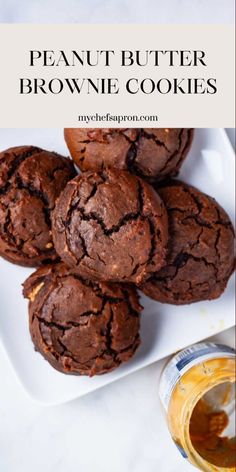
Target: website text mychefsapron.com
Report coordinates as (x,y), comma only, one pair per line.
(97,117)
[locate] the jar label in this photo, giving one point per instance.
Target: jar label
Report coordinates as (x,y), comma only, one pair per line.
(181,450)
(185,360)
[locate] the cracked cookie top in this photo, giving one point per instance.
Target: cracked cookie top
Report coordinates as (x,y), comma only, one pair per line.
(30,181)
(112,226)
(79,326)
(151,153)
(200,256)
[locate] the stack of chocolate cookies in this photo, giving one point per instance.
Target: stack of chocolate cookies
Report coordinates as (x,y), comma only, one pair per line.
(123,223)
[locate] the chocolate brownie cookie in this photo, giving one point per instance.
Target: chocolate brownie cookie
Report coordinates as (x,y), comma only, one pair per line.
(152,153)
(111,226)
(30,181)
(201,248)
(81,327)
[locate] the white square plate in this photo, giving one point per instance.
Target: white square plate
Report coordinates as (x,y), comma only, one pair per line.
(165,328)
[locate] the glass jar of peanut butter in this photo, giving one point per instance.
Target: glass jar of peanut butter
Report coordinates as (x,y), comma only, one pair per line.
(197,389)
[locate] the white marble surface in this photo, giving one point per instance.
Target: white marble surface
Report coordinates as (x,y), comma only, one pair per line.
(119,428)
(117,11)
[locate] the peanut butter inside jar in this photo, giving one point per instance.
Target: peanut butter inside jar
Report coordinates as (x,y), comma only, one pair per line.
(212,425)
(197,389)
